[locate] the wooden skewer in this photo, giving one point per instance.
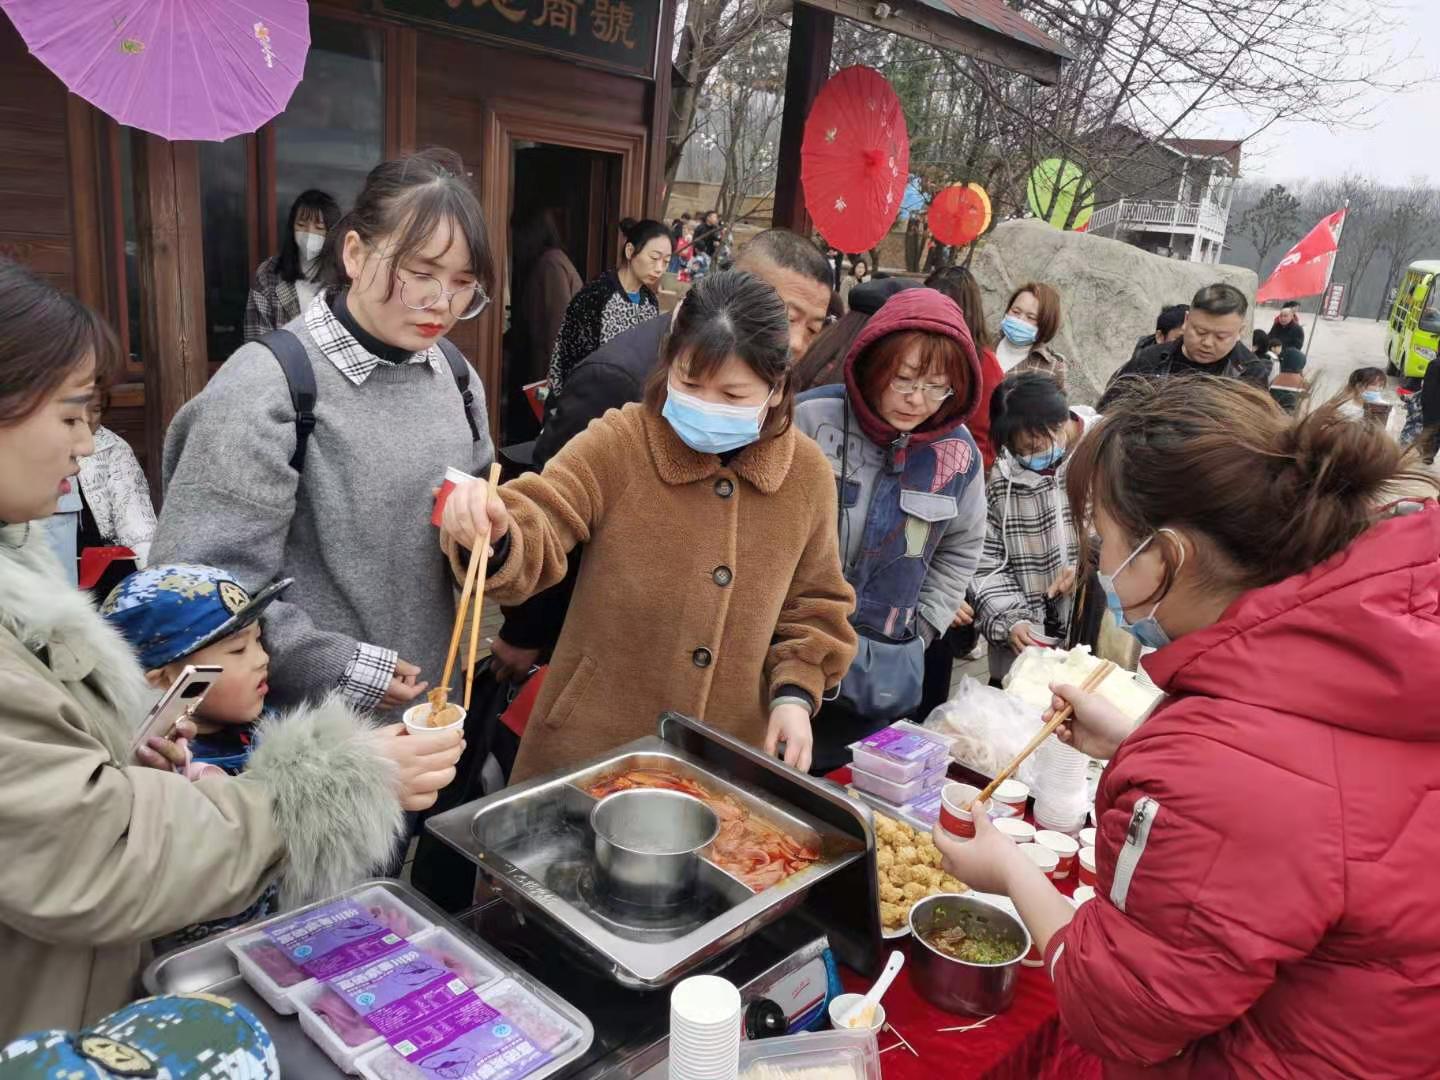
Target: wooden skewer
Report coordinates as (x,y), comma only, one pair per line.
(480,554)
(1092,682)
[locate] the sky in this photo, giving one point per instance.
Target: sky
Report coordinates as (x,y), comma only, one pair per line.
(1402,136)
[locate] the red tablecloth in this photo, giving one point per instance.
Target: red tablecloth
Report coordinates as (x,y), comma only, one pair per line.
(1025,1042)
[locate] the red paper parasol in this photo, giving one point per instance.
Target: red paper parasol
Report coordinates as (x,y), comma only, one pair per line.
(855,160)
(959,214)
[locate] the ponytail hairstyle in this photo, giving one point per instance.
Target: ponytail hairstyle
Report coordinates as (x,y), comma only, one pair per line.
(1221,461)
(45,334)
(730,313)
(636,234)
(1363,378)
(405,201)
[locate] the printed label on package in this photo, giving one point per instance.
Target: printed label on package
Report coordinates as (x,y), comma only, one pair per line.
(903,746)
(926,808)
(333,939)
(472,1041)
(400,990)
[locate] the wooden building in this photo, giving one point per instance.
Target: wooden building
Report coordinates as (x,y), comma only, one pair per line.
(555,103)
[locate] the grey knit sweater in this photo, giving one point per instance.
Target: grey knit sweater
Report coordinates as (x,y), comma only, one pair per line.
(354,531)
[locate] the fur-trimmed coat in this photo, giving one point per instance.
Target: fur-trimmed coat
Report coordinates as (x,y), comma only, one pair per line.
(705,587)
(98,856)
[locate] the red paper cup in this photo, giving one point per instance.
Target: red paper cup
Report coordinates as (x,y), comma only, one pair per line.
(955,817)
(1010,799)
(452,477)
(1087,836)
(1022,832)
(1087,866)
(1046,860)
(1066,851)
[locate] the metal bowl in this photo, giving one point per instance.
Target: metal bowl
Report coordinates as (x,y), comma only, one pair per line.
(958,985)
(647,843)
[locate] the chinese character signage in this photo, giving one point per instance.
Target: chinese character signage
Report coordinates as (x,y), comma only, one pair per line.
(617,34)
(1334,298)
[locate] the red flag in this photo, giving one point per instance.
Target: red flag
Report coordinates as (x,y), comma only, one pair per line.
(1305,269)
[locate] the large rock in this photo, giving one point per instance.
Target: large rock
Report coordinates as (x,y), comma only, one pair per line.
(1110,292)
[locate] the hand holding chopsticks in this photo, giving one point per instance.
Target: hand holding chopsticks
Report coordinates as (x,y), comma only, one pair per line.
(474,589)
(1091,684)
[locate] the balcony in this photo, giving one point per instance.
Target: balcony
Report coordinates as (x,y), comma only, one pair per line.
(1160,215)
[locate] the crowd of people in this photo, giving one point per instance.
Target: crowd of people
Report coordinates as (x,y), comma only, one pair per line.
(772,509)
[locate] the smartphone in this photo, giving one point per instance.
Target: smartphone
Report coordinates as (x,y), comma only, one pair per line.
(183,697)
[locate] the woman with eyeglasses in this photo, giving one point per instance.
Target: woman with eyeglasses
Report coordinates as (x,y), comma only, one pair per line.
(912,502)
(371,608)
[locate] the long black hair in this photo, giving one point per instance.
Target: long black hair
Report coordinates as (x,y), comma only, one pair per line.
(639,233)
(288,265)
(1029,403)
(407,199)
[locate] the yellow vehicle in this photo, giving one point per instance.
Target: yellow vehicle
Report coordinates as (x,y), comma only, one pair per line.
(1413,333)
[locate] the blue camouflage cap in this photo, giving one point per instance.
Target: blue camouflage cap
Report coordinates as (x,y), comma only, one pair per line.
(168,612)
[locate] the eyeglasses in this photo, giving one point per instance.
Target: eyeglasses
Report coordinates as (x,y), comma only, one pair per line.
(420,292)
(906,387)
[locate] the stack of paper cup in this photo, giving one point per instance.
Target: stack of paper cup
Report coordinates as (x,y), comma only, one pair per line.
(704,1029)
(1059,788)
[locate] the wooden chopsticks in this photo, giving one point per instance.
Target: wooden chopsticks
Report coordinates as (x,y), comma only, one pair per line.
(1091,684)
(474,586)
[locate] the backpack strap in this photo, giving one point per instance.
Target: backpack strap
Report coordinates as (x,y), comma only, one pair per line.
(300,377)
(461,370)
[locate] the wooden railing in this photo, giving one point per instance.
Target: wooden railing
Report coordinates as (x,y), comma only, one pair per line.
(1159,215)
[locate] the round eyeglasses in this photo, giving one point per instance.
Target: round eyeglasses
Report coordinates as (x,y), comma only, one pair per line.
(932,392)
(420,292)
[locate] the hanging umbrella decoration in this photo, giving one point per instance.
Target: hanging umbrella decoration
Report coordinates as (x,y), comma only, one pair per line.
(180,69)
(855,159)
(1052,190)
(960,214)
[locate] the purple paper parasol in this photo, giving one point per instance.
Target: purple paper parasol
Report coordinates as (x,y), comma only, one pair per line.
(182,69)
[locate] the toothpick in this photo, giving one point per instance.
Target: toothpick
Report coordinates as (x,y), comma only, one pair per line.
(903,1042)
(967,1027)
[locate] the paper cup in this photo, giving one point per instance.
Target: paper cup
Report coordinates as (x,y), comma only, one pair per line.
(1066,851)
(955,817)
(417,719)
(1022,832)
(841,1005)
(1083,894)
(1010,798)
(1042,857)
(1087,836)
(452,477)
(705,1021)
(1087,866)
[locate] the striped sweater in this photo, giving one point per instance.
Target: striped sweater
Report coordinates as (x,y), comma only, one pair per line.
(1029,540)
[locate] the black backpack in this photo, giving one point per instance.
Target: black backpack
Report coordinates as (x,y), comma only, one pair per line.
(295,363)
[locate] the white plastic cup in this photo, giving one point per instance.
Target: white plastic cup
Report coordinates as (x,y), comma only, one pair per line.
(704,1029)
(416,719)
(1010,798)
(1066,849)
(844,1003)
(1022,832)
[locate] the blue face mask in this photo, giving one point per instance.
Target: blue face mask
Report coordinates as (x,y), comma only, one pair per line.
(1148,630)
(1018,331)
(1375,397)
(708,428)
(1040,462)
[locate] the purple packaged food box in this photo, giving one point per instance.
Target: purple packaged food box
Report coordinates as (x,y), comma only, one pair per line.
(333,938)
(899,755)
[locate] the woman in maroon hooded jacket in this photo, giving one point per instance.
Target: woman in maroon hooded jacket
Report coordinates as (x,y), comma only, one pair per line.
(912,501)
(1267,838)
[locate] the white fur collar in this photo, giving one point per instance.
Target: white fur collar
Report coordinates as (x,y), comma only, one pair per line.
(44,612)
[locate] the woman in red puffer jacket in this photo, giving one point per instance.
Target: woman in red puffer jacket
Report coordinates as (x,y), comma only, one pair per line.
(1268,837)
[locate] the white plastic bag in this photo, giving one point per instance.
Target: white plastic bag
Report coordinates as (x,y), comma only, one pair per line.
(989,727)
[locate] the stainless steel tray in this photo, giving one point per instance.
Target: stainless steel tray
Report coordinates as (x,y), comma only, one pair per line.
(210,967)
(534,843)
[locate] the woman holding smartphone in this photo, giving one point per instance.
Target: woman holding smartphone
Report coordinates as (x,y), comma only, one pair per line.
(104,853)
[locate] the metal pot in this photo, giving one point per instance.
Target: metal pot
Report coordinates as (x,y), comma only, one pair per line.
(647,843)
(958,985)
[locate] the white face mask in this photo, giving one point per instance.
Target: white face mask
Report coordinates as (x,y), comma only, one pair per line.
(310,245)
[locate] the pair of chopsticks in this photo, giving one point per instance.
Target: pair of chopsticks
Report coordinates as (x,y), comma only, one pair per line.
(1091,684)
(478,556)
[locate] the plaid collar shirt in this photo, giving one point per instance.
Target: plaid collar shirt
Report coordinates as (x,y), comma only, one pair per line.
(350,358)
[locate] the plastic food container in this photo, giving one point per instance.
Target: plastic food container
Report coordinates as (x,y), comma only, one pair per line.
(391,912)
(451,952)
(1009,799)
(899,755)
(520,1012)
(279,995)
(894,792)
(334,1026)
(853,1053)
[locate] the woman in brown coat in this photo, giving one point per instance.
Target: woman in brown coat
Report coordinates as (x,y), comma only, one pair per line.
(711,583)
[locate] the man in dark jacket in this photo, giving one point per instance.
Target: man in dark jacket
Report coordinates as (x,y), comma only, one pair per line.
(1209,345)
(1169,325)
(615,375)
(1287,327)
